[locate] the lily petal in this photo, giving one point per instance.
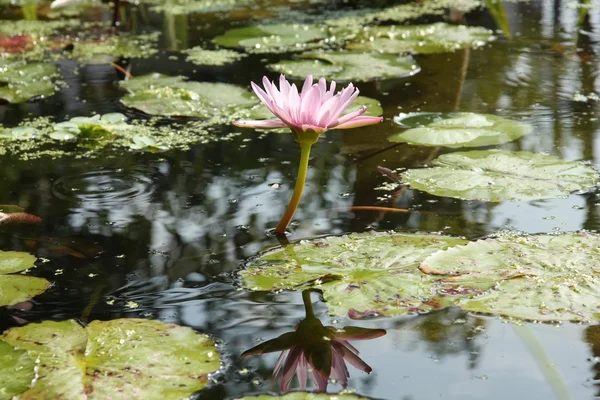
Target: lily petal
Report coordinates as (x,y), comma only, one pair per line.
(260,124)
(360,121)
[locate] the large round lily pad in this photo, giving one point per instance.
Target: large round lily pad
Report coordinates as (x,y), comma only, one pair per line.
(360,274)
(158,94)
(423,39)
(16,370)
(458,129)
(273,38)
(538,277)
(498,175)
(18,288)
(20,81)
(118,359)
(348,66)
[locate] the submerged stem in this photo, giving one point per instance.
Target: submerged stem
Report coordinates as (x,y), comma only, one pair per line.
(300,181)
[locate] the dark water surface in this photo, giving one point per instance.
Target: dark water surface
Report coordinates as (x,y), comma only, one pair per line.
(168,231)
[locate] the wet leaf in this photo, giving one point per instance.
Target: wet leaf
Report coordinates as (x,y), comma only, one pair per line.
(18,288)
(348,66)
(305,396)
(20,81)
(458,129)
(280,38)
(422,39)
(498,175)
(16,370)
(361,274)
(122,358)
(538,277)
(106,49)
(158,94)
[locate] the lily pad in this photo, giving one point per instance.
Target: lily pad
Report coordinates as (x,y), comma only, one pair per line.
(123,358)
(359,274)
(348,66)
(16,370)
(498,175)
(306,396)
(458,129)
(158,94)
(106,49)
(181,7)
(200,56)
(20,81)
(422,39)
(537,277)
(18,288)
(280,38)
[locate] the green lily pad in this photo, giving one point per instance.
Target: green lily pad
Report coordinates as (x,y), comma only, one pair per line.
(497,175)
(359,274)
(106,49)
(348,66)
(422,39)
(16,369)
(305,396)
(200,56)
(35,27)
(158,94)
(123,358)
(458,129)
(182,7)
(18,288)
(20,81)
(537,277)
(280,38)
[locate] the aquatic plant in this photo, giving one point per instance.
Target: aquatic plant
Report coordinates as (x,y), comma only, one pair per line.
(312,346)
(308,114)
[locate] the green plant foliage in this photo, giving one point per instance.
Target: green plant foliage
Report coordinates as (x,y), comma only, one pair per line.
(497,175)
(123,358)
(16,370)
(199,56)
(20,81)
(348,66)
(422,39)
(360,274)
(18,288)
(158,94)
(106,49)
(280,38)
(537,277)
(180,7)
(458,129)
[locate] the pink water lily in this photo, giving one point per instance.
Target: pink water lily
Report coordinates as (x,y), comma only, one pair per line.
(315,108)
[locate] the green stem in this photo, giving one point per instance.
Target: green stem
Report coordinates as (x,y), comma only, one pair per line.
(300,181)
(308,308)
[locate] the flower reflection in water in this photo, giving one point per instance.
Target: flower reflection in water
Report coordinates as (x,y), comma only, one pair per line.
(321,350)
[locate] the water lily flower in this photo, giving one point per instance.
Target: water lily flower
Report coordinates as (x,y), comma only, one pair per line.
(321,350)
(308,113)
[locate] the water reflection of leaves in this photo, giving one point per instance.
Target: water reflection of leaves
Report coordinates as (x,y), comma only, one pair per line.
(324,350)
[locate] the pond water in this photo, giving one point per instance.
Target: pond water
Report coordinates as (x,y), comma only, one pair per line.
(163,235)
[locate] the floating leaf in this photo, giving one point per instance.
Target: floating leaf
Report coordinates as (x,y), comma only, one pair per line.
(538,277)
(16,369)
(18,288)
(20,81)
(458,129)
(305,396)
(423,39)
(123,358)
(174,96)
(348,66)
(180,7)
(106,49)
(496,175)
(280,38)
(199,56)
(360,274)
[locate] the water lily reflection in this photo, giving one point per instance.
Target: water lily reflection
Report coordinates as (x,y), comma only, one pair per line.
(321,350)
